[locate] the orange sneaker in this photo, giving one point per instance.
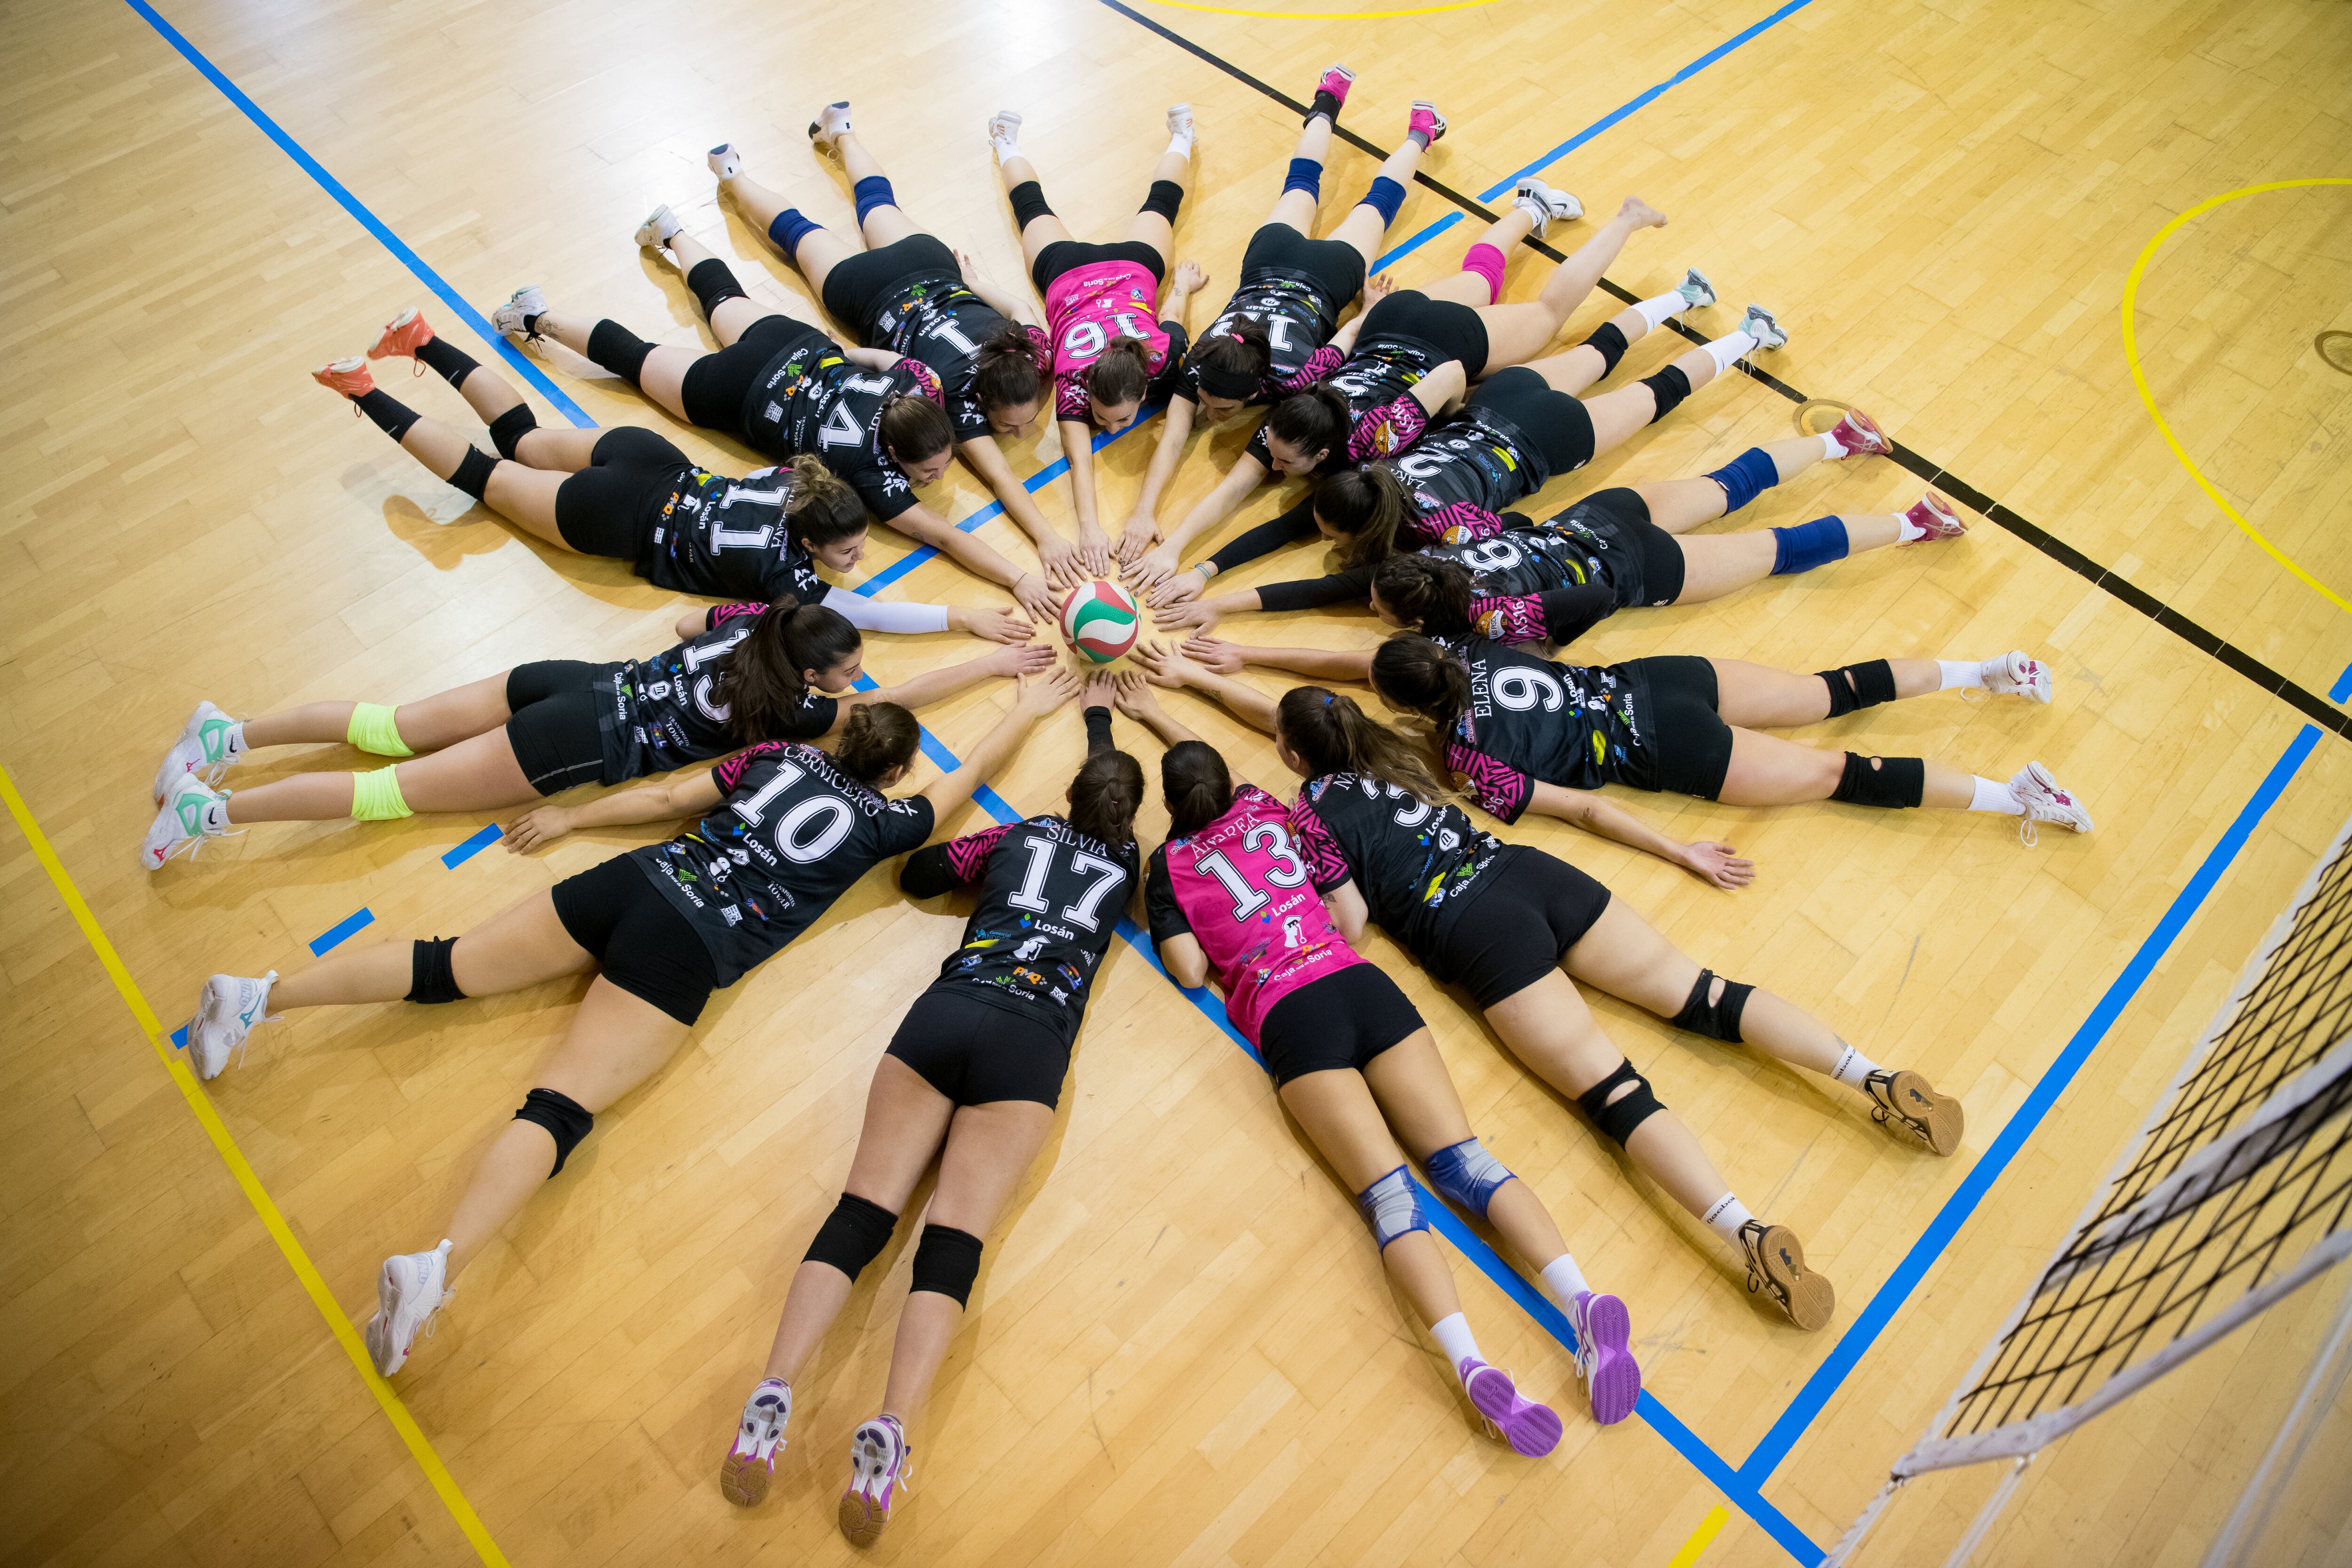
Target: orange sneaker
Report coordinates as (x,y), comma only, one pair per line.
(404,335)
(348,376)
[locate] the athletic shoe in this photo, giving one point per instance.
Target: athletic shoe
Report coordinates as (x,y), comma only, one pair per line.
(659,226)
(226,1010)
(725,162)
(1430,123)
(743,1473)
(186,820)
(1764,328)
(1180,119)
(1776,1266)
(204,748)
(409,1294)
(1334,87)
(1612,1380)
(520,307)
(2045,801)
(831,124)
(1902,1099)
(1859,434)
(2018,674)
(1935,514)
(1545,204)
(348,375)
(1697,290)
(402,336)
(1530,1429)
(1003,130)
(880,1467)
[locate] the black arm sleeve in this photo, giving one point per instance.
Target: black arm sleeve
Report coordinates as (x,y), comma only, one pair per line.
(1097,729)
(1314,593)
(1569,613)
(929,874)
(1161,915)
(1296,523)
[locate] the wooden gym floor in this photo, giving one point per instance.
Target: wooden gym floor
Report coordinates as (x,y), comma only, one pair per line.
(1184,1351)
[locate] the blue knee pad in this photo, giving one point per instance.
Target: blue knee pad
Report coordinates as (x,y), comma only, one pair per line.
(1808,545)
(873,191)
(1391,1206)
(1746,476)
(1387,197)
(1466,1176)
(789,229)
(1305,175)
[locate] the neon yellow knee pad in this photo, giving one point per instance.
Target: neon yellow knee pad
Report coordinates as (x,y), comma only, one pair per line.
(375,796)
(372,731)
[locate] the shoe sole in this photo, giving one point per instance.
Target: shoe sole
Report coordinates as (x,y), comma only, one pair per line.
(1810,1301)
(860,1521)
(1531,1430)
(1940,1113)
(1616,1378)
(743,1480)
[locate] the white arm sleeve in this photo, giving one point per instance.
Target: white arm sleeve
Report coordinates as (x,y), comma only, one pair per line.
(869,614)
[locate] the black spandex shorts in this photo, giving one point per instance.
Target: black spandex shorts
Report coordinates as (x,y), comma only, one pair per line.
(1336,267)
(1688,739)
(975,1052)
(856,289)
(1069,255)
(554,730)
(1525,909)
(1645,563)
(715,385)
(646,946)
(1451,329)
(1557,424)
(1343,1020)
(608,507)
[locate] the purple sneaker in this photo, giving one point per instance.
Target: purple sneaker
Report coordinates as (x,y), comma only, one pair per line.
(1612,1379)
(879,1470)
(1530,1429)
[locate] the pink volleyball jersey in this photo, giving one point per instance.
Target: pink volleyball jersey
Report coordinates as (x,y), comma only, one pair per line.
(1241,891)
(1086,308)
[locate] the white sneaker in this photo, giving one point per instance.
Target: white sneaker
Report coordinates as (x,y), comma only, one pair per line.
(831,123)
(207,745)
(226,1011)
(526,302)
(1696,290)
(2045,801)
(1180,119)
(1762,326)
(2018,674)
(658,227)
(192,811)
(1546,205)
(725,162)
(881,1470)
(1003,131)
(743,1474)
(409,1294)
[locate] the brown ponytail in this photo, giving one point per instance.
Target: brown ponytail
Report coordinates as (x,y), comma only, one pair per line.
(1315,421)
(1333,734)
(1004,370)
(1196,784)
(1415,674)
(877,738)
(761,685)
(1367,506)
(1426,592)
(1233,363)
(914,429)
(1122,373)
(819,506)
(1105,797)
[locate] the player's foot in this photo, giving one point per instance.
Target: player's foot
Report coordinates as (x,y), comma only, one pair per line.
(1545,204)
(660,225)
(1697,290)
(1529,1428)
(1764,328)
(409,1294)
(1933,517)
(1330,93)
(1776,1266)
(2045,801)
(208,742)
(404,335)
(2018,674)
(743,1473)
(1904,1101)
(880,1467)
(1633,210)
(1004,133)
(1859,434)
(725,162)
(831,124)
(349,375)
(1612,1380)
(192,811)
(1426,122)
(226,1010)
(1180,120)
(524,306)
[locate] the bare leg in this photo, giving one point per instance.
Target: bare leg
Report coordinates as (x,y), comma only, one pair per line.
(1763,698)
(1516,333)
(1038,232)
(476,775)
(1715,565)
(1769,771)
(1417,1096)
(521,946)
(733,317)
(442,720)
(1364,228)
(1151,227)
(885,225)
(1339,1115)
(660,378)
(1616,415)
(1678,504)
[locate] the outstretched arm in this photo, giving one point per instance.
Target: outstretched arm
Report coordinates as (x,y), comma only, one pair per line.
(938,685)
(688,795)
(921,523)
(1038,698)
(1247,474)
(1715,863)
(1143,523)
(1167,667)
(1324,664)
(995,295)
(1057,555)
(1136,698)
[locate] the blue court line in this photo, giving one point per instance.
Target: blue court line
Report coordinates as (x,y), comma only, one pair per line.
(2343,687)
(1640,102)
(368,220)
(1964,1202)
(471,847)
(335,935)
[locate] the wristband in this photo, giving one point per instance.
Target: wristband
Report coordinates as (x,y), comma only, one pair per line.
(1207,569)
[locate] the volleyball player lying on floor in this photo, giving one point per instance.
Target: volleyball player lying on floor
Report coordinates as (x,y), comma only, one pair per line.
(632,495)
(972,1078)
(744,673)
(783,831)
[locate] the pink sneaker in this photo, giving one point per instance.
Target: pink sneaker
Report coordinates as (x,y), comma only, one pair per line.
(1532,1430)
(879,1470)
(1334,85)
(402,336)
(1935,514)
(1859,434)
(1612,1380)
(348,376)
(1426,121)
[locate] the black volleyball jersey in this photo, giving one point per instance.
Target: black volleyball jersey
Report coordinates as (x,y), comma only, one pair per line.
(1528,558)
(1473,458)
(811,399)
(1531,720)
(1298,318)
(1414,861)
(727,538)
(664,712)
(1050,901)
(792,834)
(935,318)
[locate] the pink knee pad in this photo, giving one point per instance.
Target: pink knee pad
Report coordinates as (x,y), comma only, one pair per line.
(1487,263)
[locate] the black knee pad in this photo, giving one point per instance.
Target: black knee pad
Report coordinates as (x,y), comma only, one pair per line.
(1618,1118)
(946,1260)
(430,978)
(852,1236)
(713,282)
(1715,1020)
(618,350)
(473,475)
(562,1115)
(1888,781)
(1164,197)
(508,429)
(1856,686)
(1609,343)
(1028,199)
(1669,386)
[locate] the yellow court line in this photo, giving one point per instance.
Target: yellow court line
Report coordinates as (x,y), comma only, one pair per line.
(2140,378)
(1323,16)
(1701,1538)
(419,1446)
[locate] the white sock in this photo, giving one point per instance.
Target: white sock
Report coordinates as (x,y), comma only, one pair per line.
(1992,796)
(1853,1067)
(1007,148)
(1833,449)
(1453,1336)
(1656,312)
(1725,1216)
(233,743)
(1726,352)
(1566,1280)
(1906,530)
(216,815)
(1181,144)
(1960,672)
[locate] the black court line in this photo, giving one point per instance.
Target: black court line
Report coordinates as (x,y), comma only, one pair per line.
(2313,706)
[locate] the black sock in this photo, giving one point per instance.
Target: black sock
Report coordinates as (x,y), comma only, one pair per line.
(618,350)
(391,416)
(1324,104)
(453,362)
